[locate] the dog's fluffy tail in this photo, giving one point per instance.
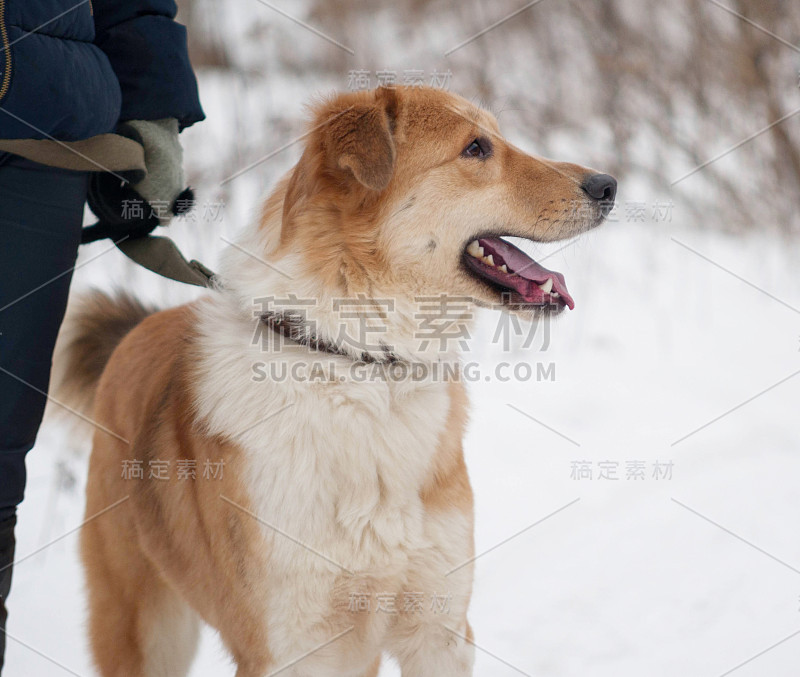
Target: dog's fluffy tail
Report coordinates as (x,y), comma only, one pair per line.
(94,325)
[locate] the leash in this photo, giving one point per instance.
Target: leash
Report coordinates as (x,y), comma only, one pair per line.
(109,196)
(111,199)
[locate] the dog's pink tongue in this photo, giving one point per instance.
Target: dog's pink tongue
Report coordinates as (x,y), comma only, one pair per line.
(533,274)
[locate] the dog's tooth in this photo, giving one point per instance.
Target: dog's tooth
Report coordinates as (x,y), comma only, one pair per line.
(475,249)
(504,268)
(547,286)
(489,259)
(555,295)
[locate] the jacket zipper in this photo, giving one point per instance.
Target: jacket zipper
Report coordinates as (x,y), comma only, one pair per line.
(6,81)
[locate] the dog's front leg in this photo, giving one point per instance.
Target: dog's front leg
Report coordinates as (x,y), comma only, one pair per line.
(439,648)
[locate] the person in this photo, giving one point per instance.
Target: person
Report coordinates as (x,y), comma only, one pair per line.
(70,71)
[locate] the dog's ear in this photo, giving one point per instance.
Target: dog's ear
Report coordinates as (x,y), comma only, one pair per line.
(359,138)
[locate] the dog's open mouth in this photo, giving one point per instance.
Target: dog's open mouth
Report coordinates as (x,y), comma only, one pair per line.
(505,266)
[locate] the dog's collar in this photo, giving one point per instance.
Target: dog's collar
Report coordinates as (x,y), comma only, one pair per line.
(296,330)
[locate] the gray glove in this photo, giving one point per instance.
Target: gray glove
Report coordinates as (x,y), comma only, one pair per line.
(163,158)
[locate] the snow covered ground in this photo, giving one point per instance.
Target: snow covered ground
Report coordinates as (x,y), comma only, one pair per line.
(673,359)
(692,575)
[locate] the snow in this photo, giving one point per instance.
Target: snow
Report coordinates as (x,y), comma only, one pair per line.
(627,580)
(623,578)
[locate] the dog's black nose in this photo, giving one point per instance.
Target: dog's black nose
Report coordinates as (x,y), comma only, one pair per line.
(601,187)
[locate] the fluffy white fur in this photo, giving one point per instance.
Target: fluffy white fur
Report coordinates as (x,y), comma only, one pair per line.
(337,465)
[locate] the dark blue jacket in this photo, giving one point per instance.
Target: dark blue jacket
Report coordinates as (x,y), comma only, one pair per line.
(70,69)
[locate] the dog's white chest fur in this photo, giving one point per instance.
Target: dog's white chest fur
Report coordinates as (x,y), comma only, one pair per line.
(334,470)
(343,465)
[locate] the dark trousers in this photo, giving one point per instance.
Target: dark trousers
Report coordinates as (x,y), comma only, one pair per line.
(41,211)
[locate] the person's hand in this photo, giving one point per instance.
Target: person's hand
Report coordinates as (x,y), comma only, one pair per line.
(131,204)
(163,186)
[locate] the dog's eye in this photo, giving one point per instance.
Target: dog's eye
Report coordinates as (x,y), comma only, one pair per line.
(479,148)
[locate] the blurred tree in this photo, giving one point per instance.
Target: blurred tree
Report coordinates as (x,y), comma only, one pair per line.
(645,89)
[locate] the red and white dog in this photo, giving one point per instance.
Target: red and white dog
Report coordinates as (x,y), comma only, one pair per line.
(336,487)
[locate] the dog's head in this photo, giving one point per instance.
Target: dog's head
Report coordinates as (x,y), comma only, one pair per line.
(409,192)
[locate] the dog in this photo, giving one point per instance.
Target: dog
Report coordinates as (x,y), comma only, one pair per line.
(298,515)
